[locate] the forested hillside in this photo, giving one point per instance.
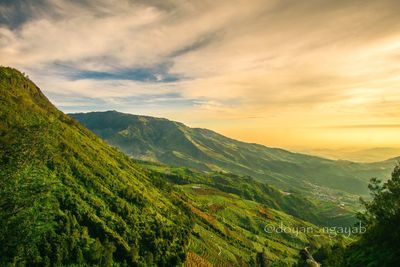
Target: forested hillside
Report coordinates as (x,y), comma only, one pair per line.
(68,198)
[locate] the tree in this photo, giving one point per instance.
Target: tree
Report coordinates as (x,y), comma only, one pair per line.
(384,209)
(379,246)
(26,212)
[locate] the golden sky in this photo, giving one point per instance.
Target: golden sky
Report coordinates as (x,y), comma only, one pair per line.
(284,73)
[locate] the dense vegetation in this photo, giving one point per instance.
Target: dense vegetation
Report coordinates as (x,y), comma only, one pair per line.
(173,143)
(379,245)
(68,198)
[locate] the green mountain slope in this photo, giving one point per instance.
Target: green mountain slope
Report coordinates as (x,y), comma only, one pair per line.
(67,197)
(230,231)
(173,143)
(297,204)
(231,214)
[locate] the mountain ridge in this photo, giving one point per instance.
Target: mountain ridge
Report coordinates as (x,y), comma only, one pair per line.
(176,144)
(366,155)
(75,114)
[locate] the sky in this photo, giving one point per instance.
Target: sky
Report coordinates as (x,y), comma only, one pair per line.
(285,73)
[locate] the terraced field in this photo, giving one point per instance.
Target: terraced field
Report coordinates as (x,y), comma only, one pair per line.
(230,231)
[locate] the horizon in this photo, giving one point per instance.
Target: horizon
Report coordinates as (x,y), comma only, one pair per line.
(299,76)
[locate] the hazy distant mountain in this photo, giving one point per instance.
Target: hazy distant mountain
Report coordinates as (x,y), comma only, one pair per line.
(358,155)
(174,143)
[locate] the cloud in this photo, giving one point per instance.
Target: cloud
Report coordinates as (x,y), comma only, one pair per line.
(286,62)
(156,74)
